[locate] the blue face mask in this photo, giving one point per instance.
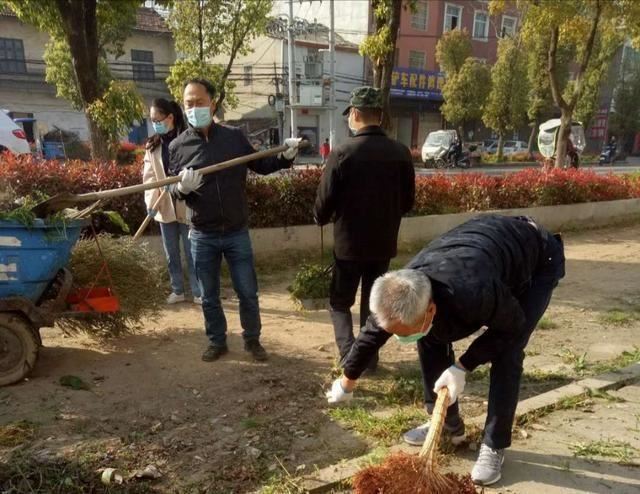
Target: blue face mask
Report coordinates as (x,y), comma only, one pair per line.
(160,127)
(199,117)
(412,338)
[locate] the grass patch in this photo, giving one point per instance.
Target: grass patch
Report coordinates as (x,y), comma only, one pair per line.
(251,423)
(619,317)
(16,433)
(387,430)
(479,374)
(577,361)
(546,323)
(625,359)
(621,451)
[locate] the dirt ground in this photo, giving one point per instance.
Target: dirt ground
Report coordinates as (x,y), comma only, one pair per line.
(234,426)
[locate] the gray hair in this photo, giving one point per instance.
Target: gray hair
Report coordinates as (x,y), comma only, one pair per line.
(400,297)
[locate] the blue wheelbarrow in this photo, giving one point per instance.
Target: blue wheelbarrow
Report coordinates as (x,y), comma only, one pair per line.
(35,289)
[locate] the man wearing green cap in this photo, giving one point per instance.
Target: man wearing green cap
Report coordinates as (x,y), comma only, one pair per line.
(366,188)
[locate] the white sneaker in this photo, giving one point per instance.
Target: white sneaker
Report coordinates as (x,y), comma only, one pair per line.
(197,300)
(416,437)
(488,467)
(174,298)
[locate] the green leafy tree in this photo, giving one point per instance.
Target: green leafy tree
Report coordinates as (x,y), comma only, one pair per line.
(452,50)
(582,26)
(82,34)
(118,107)
(380,47)
(540,99)
(205,29)
(465,93)
(625,118)
(507,103)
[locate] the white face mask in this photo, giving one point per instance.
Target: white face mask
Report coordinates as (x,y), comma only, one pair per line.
(351,128)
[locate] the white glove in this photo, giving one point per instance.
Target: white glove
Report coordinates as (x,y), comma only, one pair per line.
(190,180)
(337,393)
(454,380)
(292,143)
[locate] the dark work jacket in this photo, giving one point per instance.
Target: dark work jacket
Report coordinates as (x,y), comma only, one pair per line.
(477,271)
(220,205)
(368,184)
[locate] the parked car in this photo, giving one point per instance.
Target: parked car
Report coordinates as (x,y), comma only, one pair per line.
(12,137)
(509,147)
(435,142)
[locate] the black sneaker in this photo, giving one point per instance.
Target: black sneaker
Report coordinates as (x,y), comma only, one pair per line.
(214,352)
(256,349)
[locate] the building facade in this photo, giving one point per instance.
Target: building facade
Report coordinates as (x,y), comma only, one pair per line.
(261,79)
(417,79)
(24,93)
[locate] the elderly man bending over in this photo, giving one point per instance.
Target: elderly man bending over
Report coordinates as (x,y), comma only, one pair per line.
(493,271)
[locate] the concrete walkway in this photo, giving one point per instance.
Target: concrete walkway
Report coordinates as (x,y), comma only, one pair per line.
(545,462)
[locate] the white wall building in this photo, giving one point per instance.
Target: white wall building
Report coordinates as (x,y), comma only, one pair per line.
(148,54)
(261,79)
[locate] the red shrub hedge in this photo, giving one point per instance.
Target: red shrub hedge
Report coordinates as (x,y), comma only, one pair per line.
(27,175)
(287,199)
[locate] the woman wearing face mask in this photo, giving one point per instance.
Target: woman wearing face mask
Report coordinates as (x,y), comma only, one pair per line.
(168,122)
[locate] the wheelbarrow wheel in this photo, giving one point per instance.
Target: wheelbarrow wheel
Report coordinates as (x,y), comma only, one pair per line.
(18,348)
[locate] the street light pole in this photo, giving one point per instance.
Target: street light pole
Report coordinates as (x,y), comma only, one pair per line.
(292,74)
(332,71)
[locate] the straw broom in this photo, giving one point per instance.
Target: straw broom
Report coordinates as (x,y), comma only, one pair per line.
(402,473)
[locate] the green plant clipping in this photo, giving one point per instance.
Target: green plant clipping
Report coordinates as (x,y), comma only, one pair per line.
(138,277)
(74,382)
(312,281)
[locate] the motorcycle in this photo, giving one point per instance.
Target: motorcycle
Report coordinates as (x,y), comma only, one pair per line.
(448,158)
(608,155)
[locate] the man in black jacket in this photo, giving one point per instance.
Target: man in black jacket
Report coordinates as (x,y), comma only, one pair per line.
(368,184)
(217,211)
(493,271)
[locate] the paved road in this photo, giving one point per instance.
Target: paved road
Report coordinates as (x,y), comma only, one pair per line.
(503,170)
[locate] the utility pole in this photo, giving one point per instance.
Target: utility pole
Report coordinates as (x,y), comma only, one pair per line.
(279,105)
(332,72)
(292,74)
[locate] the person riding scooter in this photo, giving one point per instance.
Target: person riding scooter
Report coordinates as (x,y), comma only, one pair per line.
(608,154)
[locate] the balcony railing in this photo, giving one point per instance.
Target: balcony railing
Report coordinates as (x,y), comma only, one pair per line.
(34,70)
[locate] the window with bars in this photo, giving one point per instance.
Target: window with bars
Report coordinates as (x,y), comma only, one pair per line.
(452,15)
(419,17)
(248,75)
(12,56)
(480,25)
(142,65)
(416,59)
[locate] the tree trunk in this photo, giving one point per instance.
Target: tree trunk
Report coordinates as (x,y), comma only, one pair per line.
(387,67)
(80,25)
(500,151)
(562,136)
(99,141)
(532,137)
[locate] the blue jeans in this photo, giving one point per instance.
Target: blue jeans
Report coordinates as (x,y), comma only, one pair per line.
(172,233)
(208,250)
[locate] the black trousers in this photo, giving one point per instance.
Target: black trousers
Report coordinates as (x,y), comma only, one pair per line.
(506,368)
(344,284)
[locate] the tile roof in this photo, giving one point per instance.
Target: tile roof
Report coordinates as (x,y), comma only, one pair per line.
(149,20)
